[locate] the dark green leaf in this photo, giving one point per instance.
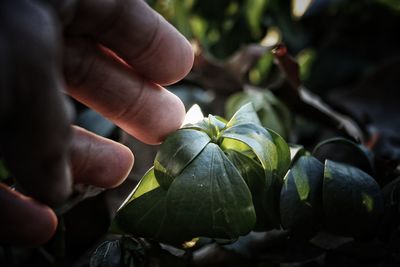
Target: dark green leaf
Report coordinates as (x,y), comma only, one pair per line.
(210,198)
(352,201)
(253,173)
(178,150)
(301,196)
(268,154)
(145,216)
(345,151)
(108,254)
(4,173)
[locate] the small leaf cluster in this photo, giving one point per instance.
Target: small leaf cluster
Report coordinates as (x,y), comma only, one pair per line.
(222,179)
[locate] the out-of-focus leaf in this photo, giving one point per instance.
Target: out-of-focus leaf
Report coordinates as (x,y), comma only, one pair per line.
(301,197)
(301,100)
(272,113)
(4,173)
(210,198)
(352,200)
(345,151)
(228,76)
(187,144)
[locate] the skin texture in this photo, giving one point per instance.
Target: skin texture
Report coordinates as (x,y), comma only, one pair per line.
(112,55)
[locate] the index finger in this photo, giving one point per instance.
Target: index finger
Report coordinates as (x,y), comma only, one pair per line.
(137,34)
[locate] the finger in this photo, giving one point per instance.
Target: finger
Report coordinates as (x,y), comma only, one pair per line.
(35,130)
(145,110)
(24,221)
(99,161)
(139,35)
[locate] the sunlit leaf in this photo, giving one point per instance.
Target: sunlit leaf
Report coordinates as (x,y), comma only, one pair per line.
(177,151)
(146,184)
(352,200)
(301,196)
(146,217)
(283,153)
(246,114)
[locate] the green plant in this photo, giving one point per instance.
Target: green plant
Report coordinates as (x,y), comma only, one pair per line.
(221,179)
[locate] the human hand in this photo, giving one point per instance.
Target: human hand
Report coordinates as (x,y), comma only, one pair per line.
(114,56)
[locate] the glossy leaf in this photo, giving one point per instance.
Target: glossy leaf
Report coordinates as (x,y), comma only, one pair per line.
(283,153)
(146,217)
(352,200)
(246,114)
(301,196)
(212,126)
(178,150)
(345,151)
(146,184)
(210,198)
(253,173)
(258,139)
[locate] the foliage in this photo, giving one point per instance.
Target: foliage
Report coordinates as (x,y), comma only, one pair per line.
(221,179)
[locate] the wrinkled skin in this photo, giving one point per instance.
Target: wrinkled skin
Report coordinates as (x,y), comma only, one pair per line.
(112,55)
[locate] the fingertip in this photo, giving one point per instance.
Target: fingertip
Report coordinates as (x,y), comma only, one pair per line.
(24,221)
(99,161)
(162,115)
(176,59)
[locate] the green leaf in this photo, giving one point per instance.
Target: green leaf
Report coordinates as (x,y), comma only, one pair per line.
(268,154)
(145,216)
(253,174)
(177,151)
(283,152)
(352,200)
(4,173)
(210,198)
(343,150)
(301,196)
(246,114)
(212,126)
(146,184)
(272,113)
(258,139)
